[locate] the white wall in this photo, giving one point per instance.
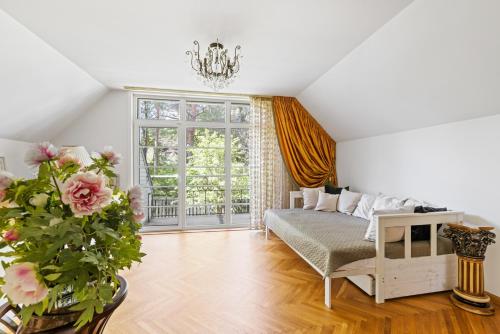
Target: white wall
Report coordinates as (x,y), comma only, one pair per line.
(108,122)
(434,63)
(456,165)
(14,152)
(40,89)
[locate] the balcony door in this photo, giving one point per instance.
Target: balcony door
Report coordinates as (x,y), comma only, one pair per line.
(191,159)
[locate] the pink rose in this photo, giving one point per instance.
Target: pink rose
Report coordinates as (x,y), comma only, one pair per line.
(68,158)
(86,193)
(11,235)
(39,153)
(22,285)
(111,156)
(6,179)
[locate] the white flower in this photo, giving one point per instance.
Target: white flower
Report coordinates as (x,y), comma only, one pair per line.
(39,200)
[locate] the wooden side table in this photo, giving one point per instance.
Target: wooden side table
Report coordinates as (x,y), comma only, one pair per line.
(470,245)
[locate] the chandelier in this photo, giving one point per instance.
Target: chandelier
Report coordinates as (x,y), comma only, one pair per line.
(217,70)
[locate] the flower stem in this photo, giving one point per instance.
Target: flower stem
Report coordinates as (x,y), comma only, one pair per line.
(55,180)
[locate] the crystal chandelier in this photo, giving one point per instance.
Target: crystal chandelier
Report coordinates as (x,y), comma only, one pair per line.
(217,70)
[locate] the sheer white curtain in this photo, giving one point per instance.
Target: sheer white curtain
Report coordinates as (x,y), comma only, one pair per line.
(270,182)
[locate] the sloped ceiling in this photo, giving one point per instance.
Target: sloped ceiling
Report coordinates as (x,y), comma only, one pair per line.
(286,44)
(438,61)
(40,90)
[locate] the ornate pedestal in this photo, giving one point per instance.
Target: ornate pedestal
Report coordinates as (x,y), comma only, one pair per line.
(470,246)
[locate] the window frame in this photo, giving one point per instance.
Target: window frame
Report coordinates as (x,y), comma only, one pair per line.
(182,124)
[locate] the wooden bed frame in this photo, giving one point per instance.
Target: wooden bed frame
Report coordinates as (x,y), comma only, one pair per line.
(392,278)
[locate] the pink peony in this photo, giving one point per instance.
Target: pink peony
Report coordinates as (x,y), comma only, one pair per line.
(22,285)
(138,217)
(68,158)
(6,179)
(3,193)
(39,153)
(111,156)
(135,193)
(86,193)
(135,197)
(11,235)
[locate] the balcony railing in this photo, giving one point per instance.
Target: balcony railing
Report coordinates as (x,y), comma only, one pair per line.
(163,208)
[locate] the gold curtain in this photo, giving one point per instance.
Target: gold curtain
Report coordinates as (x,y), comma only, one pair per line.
(270,183)
(308,150)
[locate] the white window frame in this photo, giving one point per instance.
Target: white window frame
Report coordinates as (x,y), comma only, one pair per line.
(181,125)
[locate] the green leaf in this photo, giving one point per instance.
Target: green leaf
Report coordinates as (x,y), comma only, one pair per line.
(39,309)
(51,267)
(52,277)
(85,317)
(26,313)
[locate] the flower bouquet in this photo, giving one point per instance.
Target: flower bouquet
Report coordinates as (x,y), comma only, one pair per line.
(67,232)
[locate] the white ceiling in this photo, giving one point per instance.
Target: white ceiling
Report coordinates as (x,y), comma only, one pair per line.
(286,44)
(40,90)
(437,62)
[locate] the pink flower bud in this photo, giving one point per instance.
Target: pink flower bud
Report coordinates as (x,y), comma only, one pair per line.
(11,235)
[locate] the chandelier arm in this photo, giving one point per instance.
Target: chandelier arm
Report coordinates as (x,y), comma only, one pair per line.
(217,69)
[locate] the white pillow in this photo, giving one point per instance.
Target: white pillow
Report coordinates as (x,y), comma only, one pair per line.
(384,202)
(327,202)
(348,201)
(364,208)
(310,196)
(392,234)
(415,202)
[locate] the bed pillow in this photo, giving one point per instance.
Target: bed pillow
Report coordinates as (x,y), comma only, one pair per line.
(392,234)
(331,189)
(348,201)
(310,196)
(327,202)
(364,208)
(384,202)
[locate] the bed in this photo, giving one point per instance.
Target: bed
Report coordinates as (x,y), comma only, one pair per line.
(332,243)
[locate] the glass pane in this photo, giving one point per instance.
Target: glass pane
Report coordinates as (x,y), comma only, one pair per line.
(239,147)
(167,137)
(240,179)
(147,136)
(158,109)
(158,174)
(205,137)
(166,157)
(200,170)
(158,137)
(240,113)
(205,112)
(205,177)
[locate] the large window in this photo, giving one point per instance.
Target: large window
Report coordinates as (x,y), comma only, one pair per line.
(191,159)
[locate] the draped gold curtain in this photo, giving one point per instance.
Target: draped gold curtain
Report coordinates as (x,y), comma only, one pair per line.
(308,151)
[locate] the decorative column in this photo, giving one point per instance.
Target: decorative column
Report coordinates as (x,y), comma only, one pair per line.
(470,245)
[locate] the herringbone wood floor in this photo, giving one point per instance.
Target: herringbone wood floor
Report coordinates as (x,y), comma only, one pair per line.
(237,282)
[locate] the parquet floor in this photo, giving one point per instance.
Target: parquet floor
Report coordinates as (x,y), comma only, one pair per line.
(237,282)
